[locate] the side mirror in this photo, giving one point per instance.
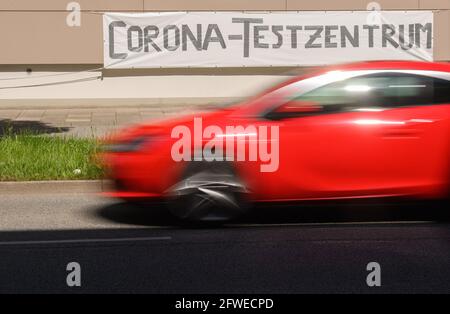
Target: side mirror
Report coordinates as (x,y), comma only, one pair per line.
(294,108)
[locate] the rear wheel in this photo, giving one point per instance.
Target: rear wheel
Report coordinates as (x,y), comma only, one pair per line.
(208,192)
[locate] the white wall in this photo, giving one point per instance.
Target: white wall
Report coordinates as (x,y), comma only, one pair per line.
(189,89)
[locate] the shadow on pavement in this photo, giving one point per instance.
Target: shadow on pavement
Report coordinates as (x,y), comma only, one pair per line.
(12,127)
(143,214)
(365,211)
(146,214)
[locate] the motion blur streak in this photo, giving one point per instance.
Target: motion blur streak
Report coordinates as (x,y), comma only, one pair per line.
(396,145)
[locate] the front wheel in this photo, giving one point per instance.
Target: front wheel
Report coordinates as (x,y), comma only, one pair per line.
(208,192)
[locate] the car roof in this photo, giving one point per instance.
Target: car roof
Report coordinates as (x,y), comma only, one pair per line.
(371,65)
(391,65)
(362,66)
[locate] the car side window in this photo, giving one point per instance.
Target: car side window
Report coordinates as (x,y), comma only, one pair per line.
(388,90)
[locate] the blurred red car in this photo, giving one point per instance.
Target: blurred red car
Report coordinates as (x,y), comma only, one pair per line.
(362,130)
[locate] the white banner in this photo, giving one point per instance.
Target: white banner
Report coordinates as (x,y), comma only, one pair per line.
(259,39)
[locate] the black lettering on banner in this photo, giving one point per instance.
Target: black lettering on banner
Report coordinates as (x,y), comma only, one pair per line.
(345,35)
(388,31)
(187,33)
(402,35)
(276,29)
(294,38)
(317,34)
(329,36)
(423,28)
(254,34)
(217,38)
(112,53)
(246,21)
(258,37)
(370,29)
(148,39)
(176,37)
(138,30)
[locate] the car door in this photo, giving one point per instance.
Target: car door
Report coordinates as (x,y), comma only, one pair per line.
(377,135)
(417,143)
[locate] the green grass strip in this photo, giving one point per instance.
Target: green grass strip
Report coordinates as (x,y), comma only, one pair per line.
(28,157)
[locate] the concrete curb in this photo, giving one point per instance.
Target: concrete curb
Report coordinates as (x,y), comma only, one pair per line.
(141,103)
(54,187)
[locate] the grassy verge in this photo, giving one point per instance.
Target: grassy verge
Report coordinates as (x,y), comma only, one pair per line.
(27,157)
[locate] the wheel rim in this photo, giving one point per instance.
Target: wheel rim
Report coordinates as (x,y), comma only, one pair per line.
(207,196)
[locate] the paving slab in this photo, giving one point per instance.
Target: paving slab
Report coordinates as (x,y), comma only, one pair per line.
(87,122)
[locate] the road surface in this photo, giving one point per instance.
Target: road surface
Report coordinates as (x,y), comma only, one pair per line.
(124,248)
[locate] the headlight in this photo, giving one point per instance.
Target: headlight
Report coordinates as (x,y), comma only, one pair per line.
(126,147)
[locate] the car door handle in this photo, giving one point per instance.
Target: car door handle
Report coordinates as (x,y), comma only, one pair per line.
(412,128)
(401,132)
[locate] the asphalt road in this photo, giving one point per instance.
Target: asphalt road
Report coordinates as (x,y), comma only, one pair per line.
(124,248)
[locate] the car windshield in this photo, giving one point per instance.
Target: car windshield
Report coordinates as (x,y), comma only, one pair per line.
(268,98)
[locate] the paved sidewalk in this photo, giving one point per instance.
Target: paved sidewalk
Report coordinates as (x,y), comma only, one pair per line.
(86,122)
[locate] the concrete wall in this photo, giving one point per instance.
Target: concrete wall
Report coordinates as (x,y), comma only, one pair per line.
(132,90)
(36,31)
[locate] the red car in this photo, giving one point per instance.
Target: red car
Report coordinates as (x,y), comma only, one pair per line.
(363,130)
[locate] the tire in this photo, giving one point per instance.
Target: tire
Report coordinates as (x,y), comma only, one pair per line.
(208,192)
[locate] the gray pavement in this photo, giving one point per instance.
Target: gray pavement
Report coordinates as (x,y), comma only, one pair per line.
(51,212)
(87,122)
(44,211)
(122,248)
(44,208)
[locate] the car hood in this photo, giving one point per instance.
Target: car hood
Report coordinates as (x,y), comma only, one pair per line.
(164,127)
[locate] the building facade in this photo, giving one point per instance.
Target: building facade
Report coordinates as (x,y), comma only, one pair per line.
(48,56)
